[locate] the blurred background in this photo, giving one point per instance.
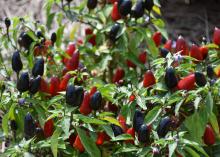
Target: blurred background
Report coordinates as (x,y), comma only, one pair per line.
(191,18)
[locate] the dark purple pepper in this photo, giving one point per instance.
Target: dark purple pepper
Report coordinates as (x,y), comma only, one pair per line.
(117,130)
(113,32)
(13,125)
(23,82)
(144,134)
(210,71)
(200,79)
(38,68)
(91,4)
(96,100)
(25,40)
(35,85)
(164,127)
(170,78)
(164,52)
(53,37)
(16,62)
(138,120)
(149,4)
(7,22)
(125,7)
(29,126)
(138,9)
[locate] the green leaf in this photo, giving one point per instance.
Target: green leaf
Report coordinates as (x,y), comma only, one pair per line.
(50,18)
(122,137)
(112,120)
(209,103)
(177,107)
(5,120)
(54,141)
(144,151)
(59,36)
(214,122)
(191,152)
(126,149)
(108,130)
(88,119)
(152,115)
(172,148)
(88,143)
(66,125)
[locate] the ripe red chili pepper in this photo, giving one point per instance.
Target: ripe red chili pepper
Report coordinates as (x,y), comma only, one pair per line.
(78,144)
(48,128)
(54,85)
(157,37)
(149,79)
(209,135)
(131,132)
(119,74)
(115,12)
(85,106)
(64,82)
(187,83)
(143,57)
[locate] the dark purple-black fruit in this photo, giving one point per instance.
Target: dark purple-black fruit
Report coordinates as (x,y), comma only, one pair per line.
(23,82)
(113,32)
(138,9)
(91,4)
(170,78)
(148,4)
(164,52)
(16,62)
(53,37)
(144,134)
(79,95)
(96,100)
(21,101)
(38,68)
(117,130)
(138,120)
(25,40)
(119,3)
(29,126)
(70,95)
(200,79)
(39,34)
(13,125)
(210,71)
(74,95)
(7,22)
(164,127)
(125,7)
(35,85)
(39,133)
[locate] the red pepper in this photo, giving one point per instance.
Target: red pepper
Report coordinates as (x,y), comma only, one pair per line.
(48,128)
(149,79)
(157,37)
(115,12)
(85,106)
(78,144)
(54,85)
(187,83)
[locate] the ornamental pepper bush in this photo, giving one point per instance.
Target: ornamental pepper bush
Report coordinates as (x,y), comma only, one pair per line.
(121,88)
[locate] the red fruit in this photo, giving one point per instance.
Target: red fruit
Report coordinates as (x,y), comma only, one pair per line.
(149,79)
(111,107)
(93,90)
(73,63)
(131,132)
(85,106)
(115,12)
(72,138)
(143,57)
(92,37)
(44,86)
(78,144)
(187,83)
(130,64)
(132,98)
(119,74)
(88,31)
(122,122)
(195,52)
(64,82)
(71,49)
(101,138)
(48,128)
(157,37)
(216,36)
(112,1)
(204,50)
(209,136)
(181,46)
(54,85)
(168,45)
